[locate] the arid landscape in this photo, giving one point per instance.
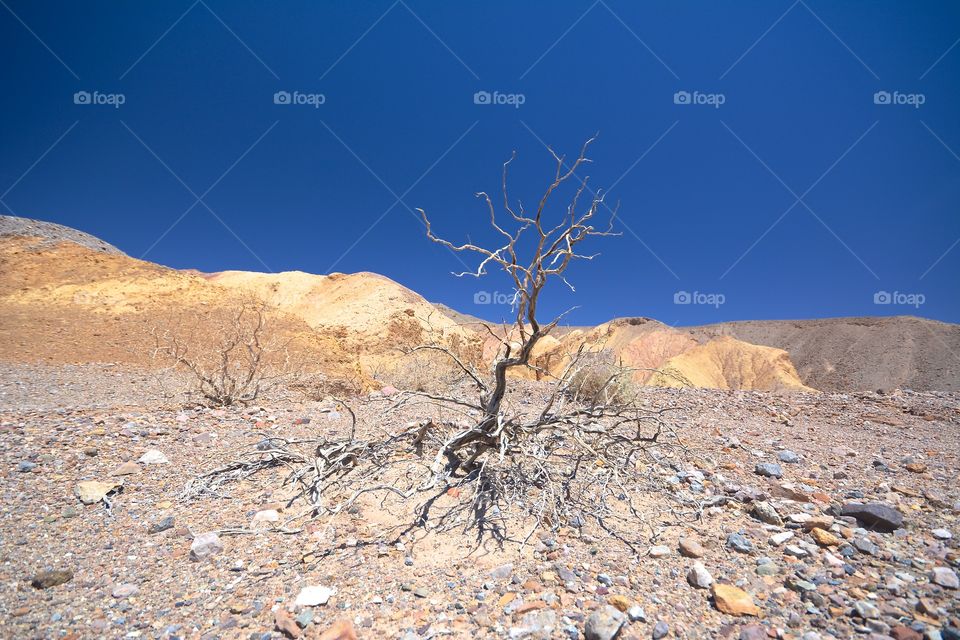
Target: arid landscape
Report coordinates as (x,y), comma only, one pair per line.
(763,479)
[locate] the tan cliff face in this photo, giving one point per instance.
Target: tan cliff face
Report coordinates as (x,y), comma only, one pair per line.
(660,355)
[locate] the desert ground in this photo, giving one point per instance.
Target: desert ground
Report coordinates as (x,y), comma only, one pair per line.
(767,499)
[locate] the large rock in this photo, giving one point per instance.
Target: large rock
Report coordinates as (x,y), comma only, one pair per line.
(731,600)
(604,624)
(874,515)
(93,491)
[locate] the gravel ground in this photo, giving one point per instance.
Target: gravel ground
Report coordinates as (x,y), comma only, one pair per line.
(776,556)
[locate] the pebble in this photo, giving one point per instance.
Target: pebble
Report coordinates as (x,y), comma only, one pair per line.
(126,469)
(764,512)
(690,548)
(788,456)
(604,623)
(769,470)
(125,591)
(205,546)
(699,577)
(660,630)
(779,538)
(866,610)
(945,577)
(26,466)
(162,525)
(502,572)
(942,534)
(52,578)
(659,551)
(636,613)
(313,596)
(739,543)
(154,456)
(304,618)
(874,515)
(825,538)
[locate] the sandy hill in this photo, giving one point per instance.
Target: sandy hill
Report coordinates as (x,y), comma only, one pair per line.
(855,354)
(61,301)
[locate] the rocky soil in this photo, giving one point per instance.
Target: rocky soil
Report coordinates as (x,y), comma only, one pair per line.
(822,516)
(53,233)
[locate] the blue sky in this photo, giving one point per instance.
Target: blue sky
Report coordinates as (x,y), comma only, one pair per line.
(778,159)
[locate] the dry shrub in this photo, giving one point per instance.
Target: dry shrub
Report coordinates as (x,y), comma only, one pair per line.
(597,379)
(230,355)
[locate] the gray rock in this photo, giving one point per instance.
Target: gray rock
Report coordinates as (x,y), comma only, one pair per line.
(604,623)
(502,572)
(866,610)
(788,456)
(874,515)
(205,546)
(660,630)
(769,470)
(865,546)
(636,613)
(535,625)
(163,525)
(26,466)
(942,534)
(305,618)
(739,543)
(699,577)
(764,512)
(945,577)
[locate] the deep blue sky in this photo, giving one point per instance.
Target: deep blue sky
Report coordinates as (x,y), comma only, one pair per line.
(296,186)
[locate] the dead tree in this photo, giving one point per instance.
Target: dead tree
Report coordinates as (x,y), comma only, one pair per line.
(555,248)
(583,454)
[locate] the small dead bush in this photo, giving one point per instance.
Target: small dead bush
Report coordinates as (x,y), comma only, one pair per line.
(229,355)
(599,380)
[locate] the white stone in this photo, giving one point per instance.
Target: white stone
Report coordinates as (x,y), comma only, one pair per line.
(266,516)
(313,596)
(153,456)
(778,539)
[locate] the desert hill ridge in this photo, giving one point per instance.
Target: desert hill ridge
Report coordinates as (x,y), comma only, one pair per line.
(61,282)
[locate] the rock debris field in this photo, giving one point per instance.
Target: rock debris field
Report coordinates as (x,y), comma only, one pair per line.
(820,516)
